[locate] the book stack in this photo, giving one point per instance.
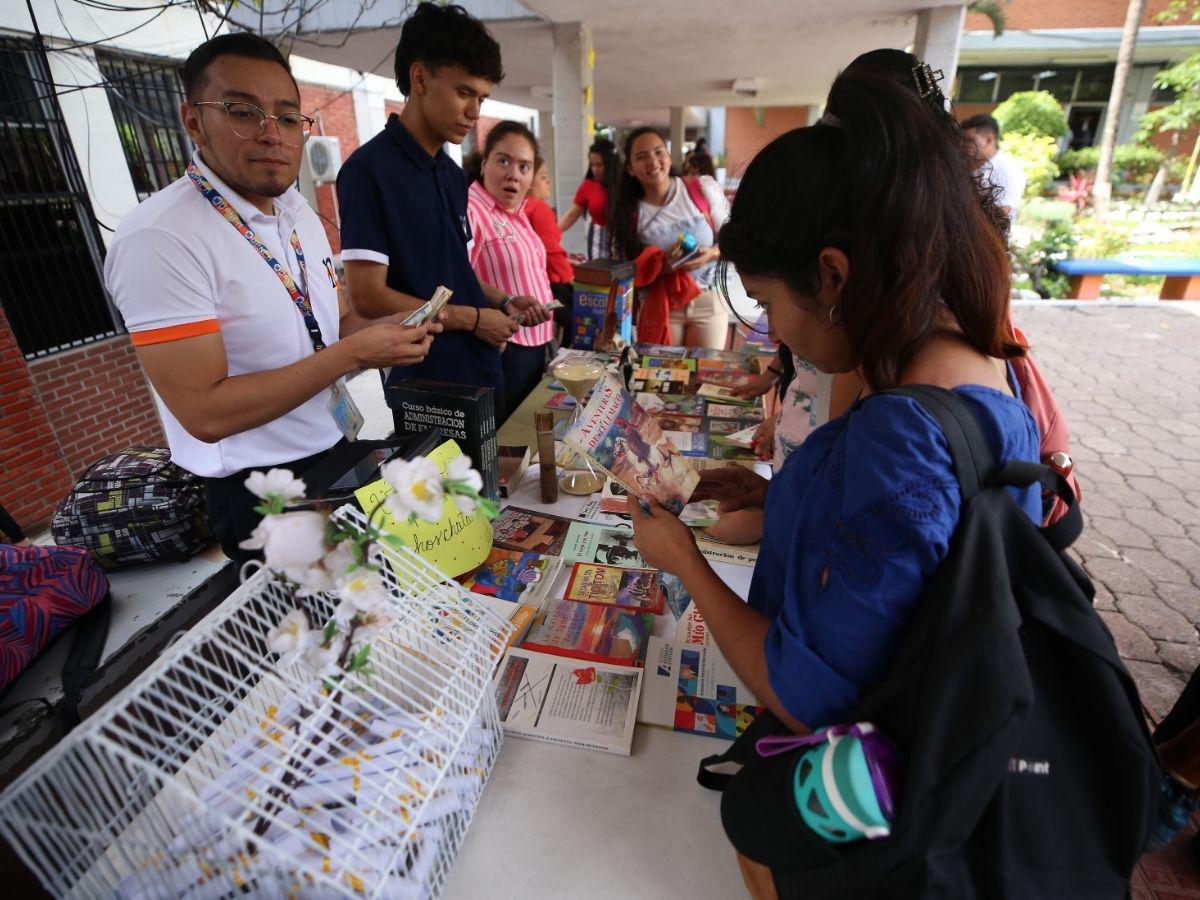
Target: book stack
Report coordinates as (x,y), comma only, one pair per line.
(462,412)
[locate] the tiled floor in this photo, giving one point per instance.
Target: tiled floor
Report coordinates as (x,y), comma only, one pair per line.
(1170,874)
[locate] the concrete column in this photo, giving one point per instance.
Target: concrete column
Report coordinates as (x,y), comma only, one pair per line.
(939,34)
(676,136)
(1138,91)
(573,108)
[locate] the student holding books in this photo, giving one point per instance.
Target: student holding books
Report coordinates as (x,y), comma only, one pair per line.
(894,272)
(507,253)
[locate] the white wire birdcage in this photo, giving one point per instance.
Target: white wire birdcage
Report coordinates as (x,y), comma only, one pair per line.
(220,771)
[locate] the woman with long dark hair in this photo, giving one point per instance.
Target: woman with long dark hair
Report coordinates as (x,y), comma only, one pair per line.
(653,206)
(896,272)
(594,196)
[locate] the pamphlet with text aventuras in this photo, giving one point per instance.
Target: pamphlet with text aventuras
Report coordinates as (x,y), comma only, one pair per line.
(623,439)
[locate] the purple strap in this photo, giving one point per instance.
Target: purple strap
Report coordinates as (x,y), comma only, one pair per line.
(777,744)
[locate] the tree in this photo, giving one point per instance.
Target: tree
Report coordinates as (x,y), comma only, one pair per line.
(1183,113)
(1103,189)
(994,10)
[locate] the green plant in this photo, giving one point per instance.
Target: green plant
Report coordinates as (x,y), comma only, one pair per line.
(1040,212)
(1085,159)
(1036,155)
(1032,113)
(1131,162)
(1100,238)
(1037,257)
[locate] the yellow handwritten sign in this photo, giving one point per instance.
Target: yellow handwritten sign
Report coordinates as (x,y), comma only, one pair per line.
(455,543)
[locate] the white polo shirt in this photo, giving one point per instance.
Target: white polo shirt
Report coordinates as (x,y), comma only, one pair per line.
(177,269)
(1006,173)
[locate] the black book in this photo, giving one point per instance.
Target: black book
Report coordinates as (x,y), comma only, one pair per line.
(459,411)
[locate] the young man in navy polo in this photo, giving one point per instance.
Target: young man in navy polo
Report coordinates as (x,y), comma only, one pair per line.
(404,204)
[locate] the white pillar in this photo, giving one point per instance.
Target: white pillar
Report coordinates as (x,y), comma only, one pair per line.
(573,109)
(676,136)
(939,34)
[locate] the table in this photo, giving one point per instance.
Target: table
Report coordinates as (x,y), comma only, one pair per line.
(562,822)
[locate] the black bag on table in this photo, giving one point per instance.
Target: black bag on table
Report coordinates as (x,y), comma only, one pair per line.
(1027,767)
(135,506)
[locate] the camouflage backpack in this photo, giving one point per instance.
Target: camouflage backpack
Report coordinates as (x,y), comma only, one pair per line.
(135,506)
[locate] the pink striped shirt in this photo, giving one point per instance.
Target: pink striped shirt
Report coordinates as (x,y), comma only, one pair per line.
(508,254)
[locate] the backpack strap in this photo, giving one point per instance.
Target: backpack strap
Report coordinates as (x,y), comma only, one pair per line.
(91,633)
(973,460)
(696,192)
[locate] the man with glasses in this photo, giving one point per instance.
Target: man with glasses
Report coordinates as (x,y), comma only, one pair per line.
(237,322)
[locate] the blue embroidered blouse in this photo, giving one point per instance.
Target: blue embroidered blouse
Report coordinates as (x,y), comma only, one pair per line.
(857,520)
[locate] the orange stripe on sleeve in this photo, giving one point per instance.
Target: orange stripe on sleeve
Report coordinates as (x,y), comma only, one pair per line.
(174,332)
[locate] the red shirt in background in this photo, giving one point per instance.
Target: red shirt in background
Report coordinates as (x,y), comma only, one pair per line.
(545,223)
(592,197)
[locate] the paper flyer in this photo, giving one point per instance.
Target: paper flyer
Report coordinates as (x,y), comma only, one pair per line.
(691,688)
(567,701)
(599,544)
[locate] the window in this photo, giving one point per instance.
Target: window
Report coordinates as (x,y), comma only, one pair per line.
(1013,80)
(51,287)
(975,85)
(145,98)
(1095,84)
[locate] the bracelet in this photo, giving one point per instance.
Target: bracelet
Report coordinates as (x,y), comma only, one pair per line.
(476,325)
(508,298)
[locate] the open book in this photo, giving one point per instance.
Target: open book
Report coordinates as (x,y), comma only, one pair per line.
(624,440)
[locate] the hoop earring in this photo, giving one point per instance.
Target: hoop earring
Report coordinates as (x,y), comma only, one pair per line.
(832,310)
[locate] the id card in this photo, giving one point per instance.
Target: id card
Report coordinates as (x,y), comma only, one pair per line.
(344,410)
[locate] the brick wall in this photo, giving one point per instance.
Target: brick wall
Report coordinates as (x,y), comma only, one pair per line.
(334,110)
(1027,14)
(97,401)
(744,137)
(33,472)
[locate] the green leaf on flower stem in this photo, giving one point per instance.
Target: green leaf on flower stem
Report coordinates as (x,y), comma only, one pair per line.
(392,540)
(330,630)
(331,684)
(358,660)
(489,508)
(262,509)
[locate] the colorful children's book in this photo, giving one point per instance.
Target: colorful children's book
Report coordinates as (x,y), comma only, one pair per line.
(568,701)
(611,546)
(660,350)
(524,529)
(732,411)
(727,378)
(663,374)
(624,440)
(669,404)
(691,688)
(668,362)
(515,575)
(615,586)
(727,395)
(605,634)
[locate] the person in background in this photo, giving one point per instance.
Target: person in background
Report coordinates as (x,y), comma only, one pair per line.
(558,264)
(700,164)
(996,168)
(594,196)
(507,254)
(404,203)
(653,207)
(225,282)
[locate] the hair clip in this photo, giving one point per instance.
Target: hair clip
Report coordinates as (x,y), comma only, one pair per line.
(926,79)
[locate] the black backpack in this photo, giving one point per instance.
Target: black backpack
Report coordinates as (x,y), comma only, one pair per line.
(135,506)
(1028,769)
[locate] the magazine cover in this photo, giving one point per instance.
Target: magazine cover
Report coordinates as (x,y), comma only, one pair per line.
(516,575)
(568,701)
(615,586)
(668,362)
(730,411)
(597,633)
(665,373)
(691,688)
(661,350)
(600,544)
(625,440)
(671,405)
(524,529)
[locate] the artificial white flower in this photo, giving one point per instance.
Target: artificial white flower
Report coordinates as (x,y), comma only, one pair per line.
(291,542)
(460,470)
(417,486)
(466,505)
(337,562)
(313,580)
(277,482)
(323,658)
(372,625)
(290,635)
(363,588)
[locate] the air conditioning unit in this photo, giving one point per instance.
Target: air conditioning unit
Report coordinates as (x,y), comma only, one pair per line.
(323,158)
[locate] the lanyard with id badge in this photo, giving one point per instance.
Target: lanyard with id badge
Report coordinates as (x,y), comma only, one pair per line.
(340,404)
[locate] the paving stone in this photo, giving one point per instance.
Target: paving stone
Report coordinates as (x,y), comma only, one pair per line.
(1159,567)
(1183,658)
(1157,619)
(1119,533)
(1154,522)
(1183,598)
(1183,550)
(1120,577)
(1132,642)
(1152,487)
(1158,686)
(1104,599)
(1181,511)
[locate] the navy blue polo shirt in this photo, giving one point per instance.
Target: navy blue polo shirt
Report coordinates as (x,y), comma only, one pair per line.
(407,210)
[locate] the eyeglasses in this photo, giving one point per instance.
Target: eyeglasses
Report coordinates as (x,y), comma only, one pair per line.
(248,121)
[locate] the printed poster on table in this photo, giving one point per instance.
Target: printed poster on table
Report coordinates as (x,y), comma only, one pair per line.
(691,688)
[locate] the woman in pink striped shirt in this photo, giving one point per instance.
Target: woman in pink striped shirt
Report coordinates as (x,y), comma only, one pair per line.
(507,253)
